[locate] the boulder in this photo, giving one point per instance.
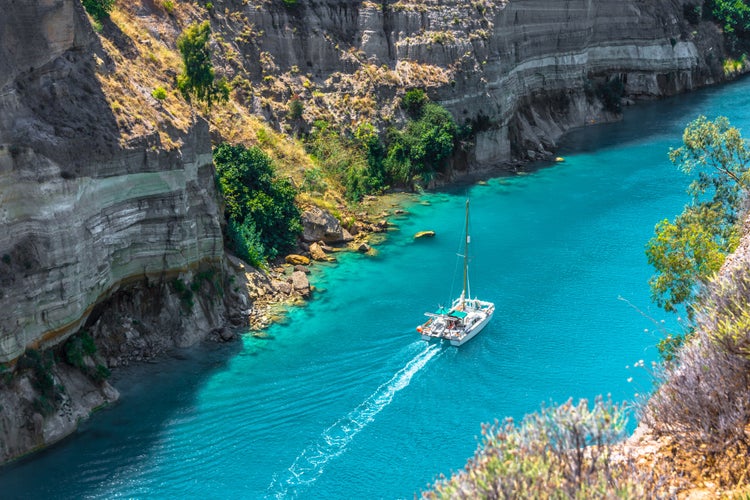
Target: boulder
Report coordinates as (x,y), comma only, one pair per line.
(282,287)
(321,225)
(424,234)
(300,282)
(363,247)
(304,269)
(317,253)
(297,260)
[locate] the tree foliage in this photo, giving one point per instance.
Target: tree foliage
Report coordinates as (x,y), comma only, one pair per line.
(354,162)
(365,163)
(99,9)
(688,250)
(424,145)
(198,79)
(262,218)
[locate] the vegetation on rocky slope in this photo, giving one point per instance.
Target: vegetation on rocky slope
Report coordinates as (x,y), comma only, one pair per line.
(262,218)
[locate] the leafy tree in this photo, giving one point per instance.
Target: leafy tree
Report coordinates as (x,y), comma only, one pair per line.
(351,161)
(734,18)
(262,218)
(413,101)
(423,146)
(99,9)
(295,108)
(197,78)
(687,251)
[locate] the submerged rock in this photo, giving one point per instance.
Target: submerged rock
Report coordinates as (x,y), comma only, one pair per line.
(297,260)
(424,234)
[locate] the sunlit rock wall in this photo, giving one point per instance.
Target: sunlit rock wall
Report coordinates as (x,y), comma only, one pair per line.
(521,71)
(82,213)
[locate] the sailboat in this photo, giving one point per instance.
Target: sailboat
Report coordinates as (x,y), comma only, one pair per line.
(466,317)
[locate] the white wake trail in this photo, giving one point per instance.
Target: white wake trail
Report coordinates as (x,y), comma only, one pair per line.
(311,462)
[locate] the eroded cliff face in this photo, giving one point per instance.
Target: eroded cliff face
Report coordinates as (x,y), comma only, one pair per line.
(521,72)
(103,229)
(86,214)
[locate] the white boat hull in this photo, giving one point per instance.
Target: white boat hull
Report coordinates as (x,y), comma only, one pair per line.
(473,332)
(442,326)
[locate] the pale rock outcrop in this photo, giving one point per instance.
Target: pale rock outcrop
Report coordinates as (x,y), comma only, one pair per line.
(317,253)
(300,283)
(321,225)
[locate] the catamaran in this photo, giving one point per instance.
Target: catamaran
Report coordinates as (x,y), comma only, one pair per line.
(466,317)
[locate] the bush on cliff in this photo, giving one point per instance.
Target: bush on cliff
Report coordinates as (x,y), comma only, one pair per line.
(689,250)
(197,79)
(703,400)
(422,148)
(365,163)
(734,18)
(99,9)
(262,218)
(351,161)
(559,452)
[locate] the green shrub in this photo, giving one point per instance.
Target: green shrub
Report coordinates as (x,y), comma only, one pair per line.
(422,148)
(413,101)
(349,161)
(168,6)
(610,92)
(244,240)
(101,373)
(559,452)
(159,93)
(40,363)
(185,293)
(734,18)
(313,181)
(197,79)
(295,109)
(99,9)
(262,218)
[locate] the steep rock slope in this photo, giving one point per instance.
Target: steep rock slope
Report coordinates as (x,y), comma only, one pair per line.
(521,72)
(84,212)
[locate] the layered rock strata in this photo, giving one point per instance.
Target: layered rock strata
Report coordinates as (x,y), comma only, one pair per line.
(520,72)
(84,214)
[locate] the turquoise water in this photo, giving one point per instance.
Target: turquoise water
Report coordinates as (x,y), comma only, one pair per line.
(344,401)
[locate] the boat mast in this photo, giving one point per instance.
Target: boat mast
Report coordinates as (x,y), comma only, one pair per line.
(466,256)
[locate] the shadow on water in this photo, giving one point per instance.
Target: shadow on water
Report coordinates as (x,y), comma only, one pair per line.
(645,119)
(119,439)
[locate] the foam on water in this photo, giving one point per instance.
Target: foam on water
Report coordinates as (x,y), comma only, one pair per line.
(311,462)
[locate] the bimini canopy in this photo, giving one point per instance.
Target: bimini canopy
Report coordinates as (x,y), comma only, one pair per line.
(444,311)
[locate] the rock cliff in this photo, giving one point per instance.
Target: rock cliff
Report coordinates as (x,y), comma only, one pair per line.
(84,213)
(520,72)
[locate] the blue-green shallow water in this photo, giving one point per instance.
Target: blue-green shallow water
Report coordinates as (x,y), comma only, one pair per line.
(344,401)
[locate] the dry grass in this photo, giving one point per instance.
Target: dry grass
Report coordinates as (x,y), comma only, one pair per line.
(703,401)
